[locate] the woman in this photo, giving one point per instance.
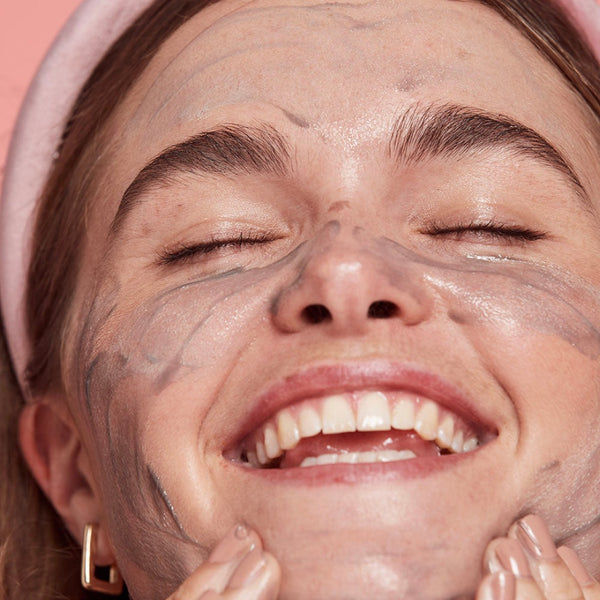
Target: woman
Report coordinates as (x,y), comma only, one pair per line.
(325,274)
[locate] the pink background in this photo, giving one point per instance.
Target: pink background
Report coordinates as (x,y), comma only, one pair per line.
(27,28)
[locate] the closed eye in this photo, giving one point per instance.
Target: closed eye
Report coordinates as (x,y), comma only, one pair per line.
(485,232)
(186,252)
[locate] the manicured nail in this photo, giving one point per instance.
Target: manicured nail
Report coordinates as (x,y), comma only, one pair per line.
(575,565)
(233,545)
(248,569)
(503,586)
(535,537)
(510,557)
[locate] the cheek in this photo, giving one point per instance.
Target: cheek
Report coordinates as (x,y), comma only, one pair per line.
(149,394)
(537,332)
(523,303)
(144,526)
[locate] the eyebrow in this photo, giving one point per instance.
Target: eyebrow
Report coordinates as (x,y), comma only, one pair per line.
(226,150)
(455,131)
(420,133)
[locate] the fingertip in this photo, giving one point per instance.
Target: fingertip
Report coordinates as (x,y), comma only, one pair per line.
(273,567)
(575,566)
(268,581)
(239,540)
(501,585)
(534,536)
(491,564)
(249,568)
(506,554)
(272,583)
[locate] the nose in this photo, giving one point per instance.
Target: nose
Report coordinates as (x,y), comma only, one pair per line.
(347,289)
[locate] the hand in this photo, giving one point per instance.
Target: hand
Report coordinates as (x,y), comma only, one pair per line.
(237,569)
(526,565)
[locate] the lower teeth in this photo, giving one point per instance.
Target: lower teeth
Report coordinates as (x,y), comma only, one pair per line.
(358,457)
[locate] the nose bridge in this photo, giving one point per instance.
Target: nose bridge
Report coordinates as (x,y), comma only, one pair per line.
(344,284)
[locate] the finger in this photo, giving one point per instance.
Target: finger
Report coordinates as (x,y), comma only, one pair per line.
(507,555)
(589,586)
(215,573)
(500,585)
(549,571)
(504,585)
(256,578)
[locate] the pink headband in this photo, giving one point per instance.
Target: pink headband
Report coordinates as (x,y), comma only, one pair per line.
(85,38)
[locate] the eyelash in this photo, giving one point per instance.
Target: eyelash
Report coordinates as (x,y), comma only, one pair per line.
(183,252)
(493,230)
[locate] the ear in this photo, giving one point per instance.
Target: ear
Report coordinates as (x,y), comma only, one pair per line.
(52,448)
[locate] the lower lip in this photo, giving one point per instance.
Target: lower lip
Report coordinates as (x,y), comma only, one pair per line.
(342,473)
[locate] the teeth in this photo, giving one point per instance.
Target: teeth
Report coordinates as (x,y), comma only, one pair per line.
(426,423)
(347,413)
(272,447)
(287,430)
(392,455)
(261,455)
(309,422)
(446,432)
(338,416)
(403,415)
(373,413)
(470,444)
(327,459)
(358,457)
(367,457)
(458,442)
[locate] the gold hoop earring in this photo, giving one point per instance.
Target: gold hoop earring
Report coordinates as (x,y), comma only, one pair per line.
(114,585)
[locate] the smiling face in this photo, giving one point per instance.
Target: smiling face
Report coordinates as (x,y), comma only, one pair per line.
(353,303)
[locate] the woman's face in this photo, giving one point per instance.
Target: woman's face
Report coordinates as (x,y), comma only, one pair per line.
(376,216)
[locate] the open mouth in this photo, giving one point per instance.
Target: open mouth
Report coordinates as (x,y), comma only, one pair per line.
(358,427)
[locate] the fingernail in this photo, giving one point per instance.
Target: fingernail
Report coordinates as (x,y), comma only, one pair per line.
(248,569)
(575,565)
(535,537)
(503,586)
(235,543)
(510,557)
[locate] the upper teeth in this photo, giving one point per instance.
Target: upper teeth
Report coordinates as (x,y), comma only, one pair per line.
(367,411)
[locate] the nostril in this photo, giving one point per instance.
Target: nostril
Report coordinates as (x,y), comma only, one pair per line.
(382,309)
(315,314)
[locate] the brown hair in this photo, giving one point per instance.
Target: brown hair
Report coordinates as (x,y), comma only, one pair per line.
(46,565)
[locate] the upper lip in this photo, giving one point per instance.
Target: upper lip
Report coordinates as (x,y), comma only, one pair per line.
(325,379)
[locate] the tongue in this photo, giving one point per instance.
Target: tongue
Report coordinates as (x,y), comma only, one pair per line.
(358,442)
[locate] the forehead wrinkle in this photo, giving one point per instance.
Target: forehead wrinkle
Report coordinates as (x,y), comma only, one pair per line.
(234,16)
(240,16)
(201,71)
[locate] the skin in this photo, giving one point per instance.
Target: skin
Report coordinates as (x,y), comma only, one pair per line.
(165,361)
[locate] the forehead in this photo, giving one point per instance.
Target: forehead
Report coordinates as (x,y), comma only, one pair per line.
(343,70)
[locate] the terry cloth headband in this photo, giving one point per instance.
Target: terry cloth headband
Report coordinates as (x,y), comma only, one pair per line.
(79,47)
